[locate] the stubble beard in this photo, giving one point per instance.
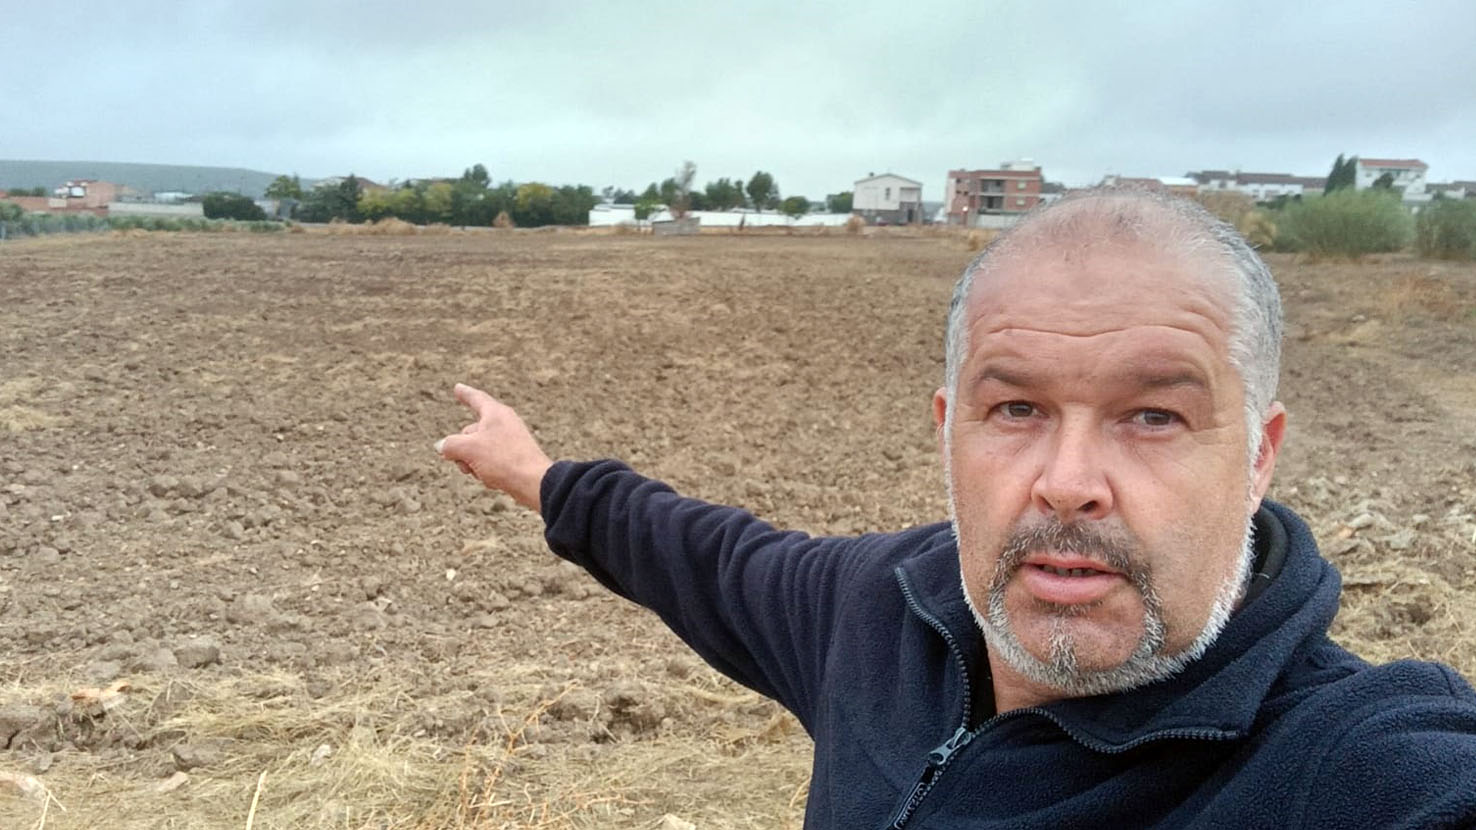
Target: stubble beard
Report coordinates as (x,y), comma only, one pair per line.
(1062,669)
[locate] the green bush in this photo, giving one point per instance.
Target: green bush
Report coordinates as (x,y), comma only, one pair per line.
(232,206)
(1347,223)
(1446,229)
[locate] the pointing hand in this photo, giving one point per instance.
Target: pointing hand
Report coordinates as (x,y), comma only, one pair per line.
(498,449)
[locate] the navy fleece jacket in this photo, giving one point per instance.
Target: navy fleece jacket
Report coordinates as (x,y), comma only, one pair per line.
(869,642)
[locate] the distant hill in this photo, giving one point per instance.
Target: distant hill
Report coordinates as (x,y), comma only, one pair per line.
(144,178)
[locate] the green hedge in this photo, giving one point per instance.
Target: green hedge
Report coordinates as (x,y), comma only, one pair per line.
(14,223)
(1346,223)
(1446,229)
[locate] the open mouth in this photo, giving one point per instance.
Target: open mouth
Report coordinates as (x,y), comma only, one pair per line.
(1072,571)
(1063,580)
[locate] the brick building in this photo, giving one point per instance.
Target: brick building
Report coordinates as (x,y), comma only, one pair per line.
(76,196)
(1014,188)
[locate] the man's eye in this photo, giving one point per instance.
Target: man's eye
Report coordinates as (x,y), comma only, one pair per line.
(1017,409)
(1156,417)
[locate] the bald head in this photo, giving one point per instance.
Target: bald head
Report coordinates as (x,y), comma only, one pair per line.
(1099,221)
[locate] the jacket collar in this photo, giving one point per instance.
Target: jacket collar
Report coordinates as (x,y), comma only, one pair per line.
(1219,693)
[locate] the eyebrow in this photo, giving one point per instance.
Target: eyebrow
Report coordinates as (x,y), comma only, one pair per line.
(1142,379)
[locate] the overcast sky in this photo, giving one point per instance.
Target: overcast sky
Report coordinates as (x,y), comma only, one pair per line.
(819,94)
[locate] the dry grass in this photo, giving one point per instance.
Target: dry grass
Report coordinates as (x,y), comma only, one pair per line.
(360,757)
(17,410)
(1421,294)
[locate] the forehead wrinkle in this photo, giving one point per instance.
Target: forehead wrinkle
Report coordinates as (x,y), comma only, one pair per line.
(1010,329)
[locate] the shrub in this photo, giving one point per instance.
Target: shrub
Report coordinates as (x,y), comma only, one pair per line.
(503,220)
(1258,228)
(854,224)
(232,206)
(1229,206)
(1347,223)
(1446,229)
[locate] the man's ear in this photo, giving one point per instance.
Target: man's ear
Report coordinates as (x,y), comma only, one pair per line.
(940,410)
(1273,431)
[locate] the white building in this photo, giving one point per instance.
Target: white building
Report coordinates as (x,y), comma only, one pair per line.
(605,215)
(1408,176)
(1262,187)
(888,198)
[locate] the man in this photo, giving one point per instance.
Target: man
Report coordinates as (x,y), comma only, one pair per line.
(1115,630)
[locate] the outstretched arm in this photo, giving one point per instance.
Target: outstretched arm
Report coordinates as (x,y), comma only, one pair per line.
(756,603)
(498,449)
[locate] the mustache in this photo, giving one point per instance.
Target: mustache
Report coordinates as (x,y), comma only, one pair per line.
(1113,547)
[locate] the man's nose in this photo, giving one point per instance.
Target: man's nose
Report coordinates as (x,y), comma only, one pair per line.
(1073,481)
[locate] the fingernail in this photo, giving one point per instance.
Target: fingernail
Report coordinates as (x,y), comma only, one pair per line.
(439,444)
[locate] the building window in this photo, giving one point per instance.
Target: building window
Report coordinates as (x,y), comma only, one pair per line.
(887,194)
(1020,202)
(1019,185)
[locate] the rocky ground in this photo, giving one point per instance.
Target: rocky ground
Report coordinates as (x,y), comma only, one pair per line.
(235,580)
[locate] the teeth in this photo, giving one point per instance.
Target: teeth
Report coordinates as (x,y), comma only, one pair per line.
(1069,571)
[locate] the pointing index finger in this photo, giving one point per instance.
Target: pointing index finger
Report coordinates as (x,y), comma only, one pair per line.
(473,397)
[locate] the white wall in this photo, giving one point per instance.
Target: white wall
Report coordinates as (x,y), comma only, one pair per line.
(186,210)
(607,215)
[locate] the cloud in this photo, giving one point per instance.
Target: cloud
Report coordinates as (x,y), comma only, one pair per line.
(817,93)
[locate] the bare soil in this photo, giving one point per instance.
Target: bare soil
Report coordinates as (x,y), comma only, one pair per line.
(227,549)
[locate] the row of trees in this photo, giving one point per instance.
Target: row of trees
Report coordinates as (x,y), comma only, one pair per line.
(760,192)
(470,200)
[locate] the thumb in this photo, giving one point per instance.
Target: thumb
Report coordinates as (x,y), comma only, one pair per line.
(452,447)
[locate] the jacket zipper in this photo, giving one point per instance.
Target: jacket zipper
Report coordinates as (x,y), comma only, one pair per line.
(941,757)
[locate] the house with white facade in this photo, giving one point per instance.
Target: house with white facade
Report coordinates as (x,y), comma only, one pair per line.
(1262,187)
(887,199)
(1408,176)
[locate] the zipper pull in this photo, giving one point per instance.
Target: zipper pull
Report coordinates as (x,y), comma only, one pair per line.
(960,739)
(937,760)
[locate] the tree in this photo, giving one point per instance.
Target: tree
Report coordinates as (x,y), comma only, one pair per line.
(839,202)
(477,175)
(438,200)
(285,187)
(620,197)
(377,204)
(533,205)
(762,191)
(795,206)
(572,204)
(681,200)
(340,201)
(723,194)
(232,206)
(1344,174)
(1384,182)
(644,207)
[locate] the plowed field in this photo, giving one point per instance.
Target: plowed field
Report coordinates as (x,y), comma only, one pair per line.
(227,549)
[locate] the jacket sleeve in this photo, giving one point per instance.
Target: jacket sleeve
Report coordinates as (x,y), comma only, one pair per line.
(1410,762)
(754,602)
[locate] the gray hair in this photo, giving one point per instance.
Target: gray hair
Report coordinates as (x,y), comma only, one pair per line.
(1167,223)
